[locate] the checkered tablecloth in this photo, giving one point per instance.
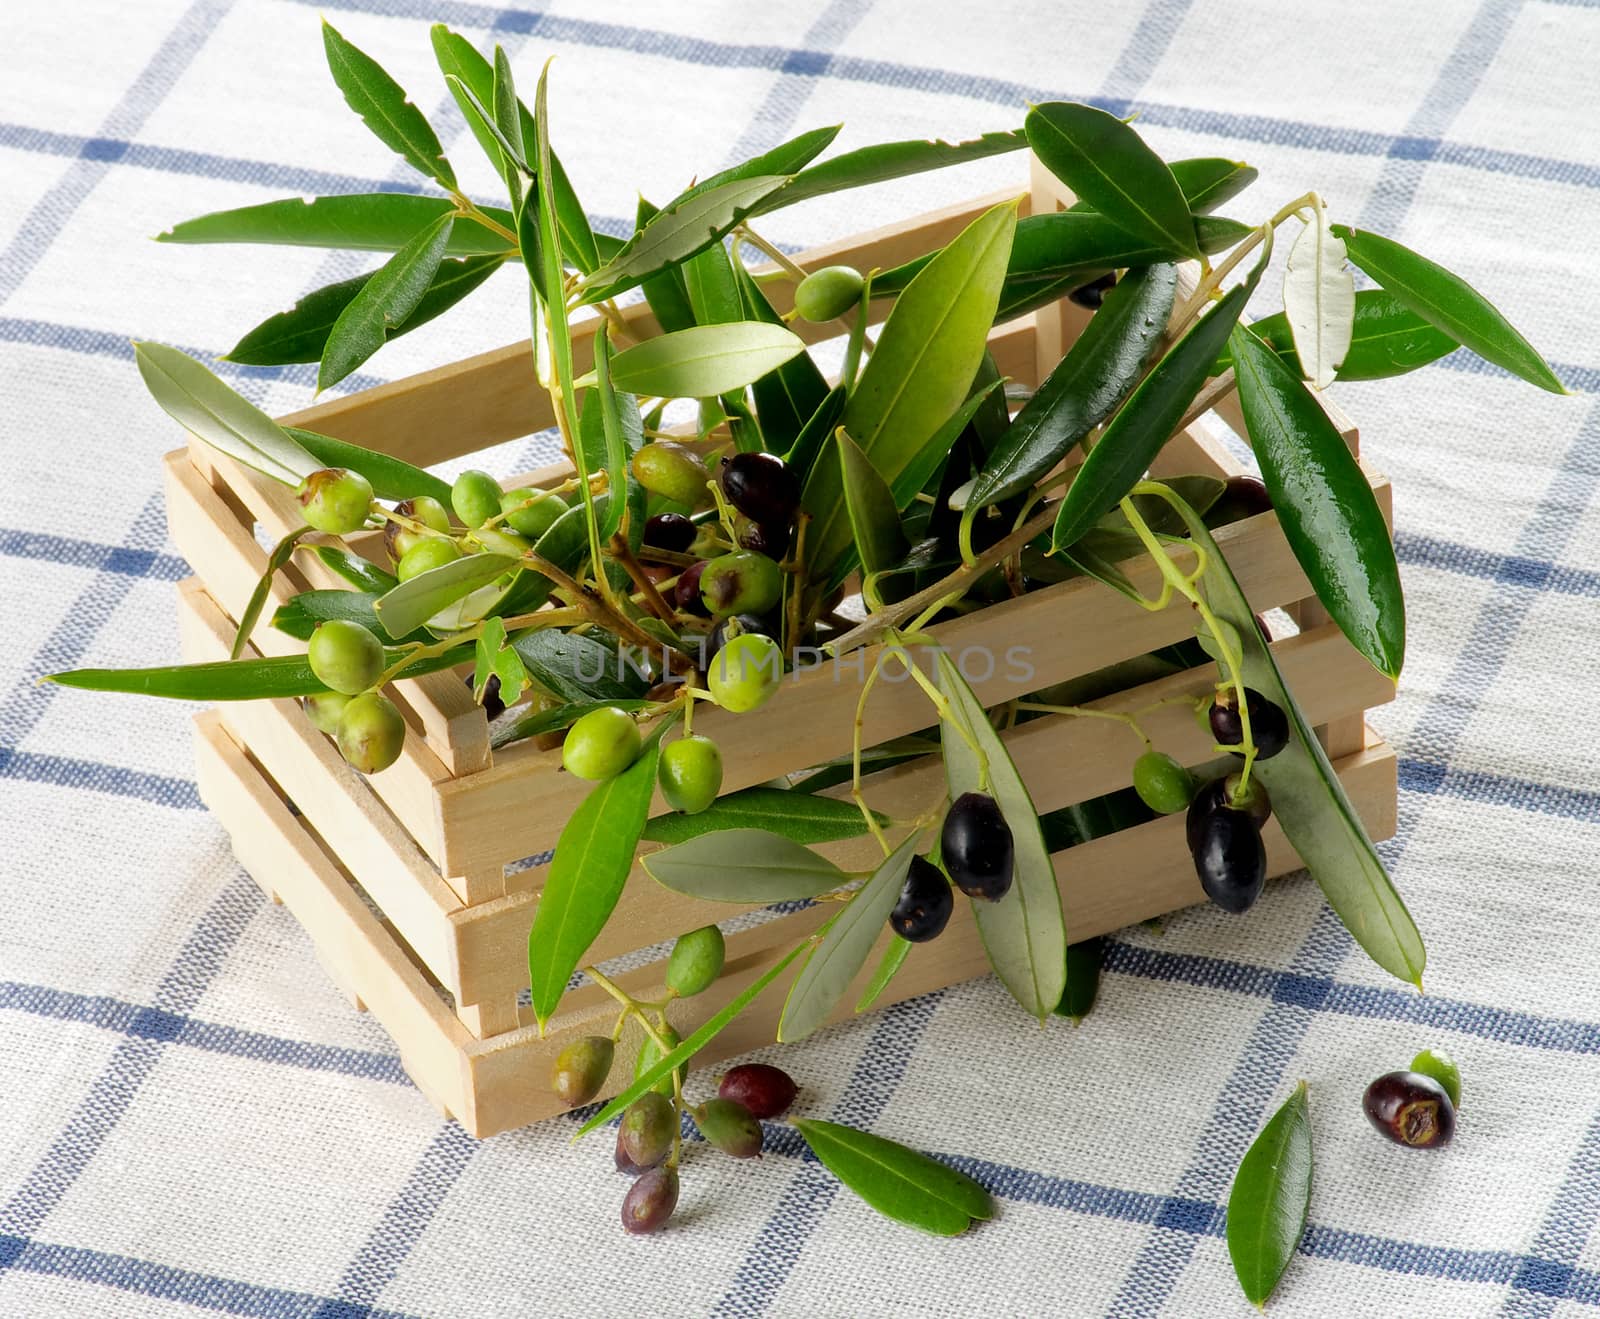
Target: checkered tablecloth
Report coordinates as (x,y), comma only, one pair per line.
(191,1118)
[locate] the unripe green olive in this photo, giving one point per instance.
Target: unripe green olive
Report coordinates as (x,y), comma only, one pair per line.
(345,656)
(424,509)
(581,1068)
(646,1131)
(425,554)
(324,709)
(730,1127)
(601,744)
(335,500)
(690,771)
(1163,784)
(497,540)
(745,672)
(371,733)
(673,471)
(531,512)
(649,1056)
(826,294)
(743,582)
(475,497)
(696,961)
(1442,1068)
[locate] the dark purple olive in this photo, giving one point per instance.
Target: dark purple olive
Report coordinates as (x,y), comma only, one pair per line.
(729,1126)
(925,903)
(765,1090)
(1230,859)
(1092,294)
(761,486)
(1219,793)
(492,705)
(763,537)
(650,1202)
(686,594)
(1269,725)
(670,531)
(735,625)
(1241,497)
(976,847)
(1411,1110)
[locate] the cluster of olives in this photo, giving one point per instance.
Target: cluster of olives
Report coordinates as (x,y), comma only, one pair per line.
(1416,1108)
(976,848)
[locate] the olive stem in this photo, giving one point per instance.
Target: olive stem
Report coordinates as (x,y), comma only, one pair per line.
(467,209)
(639,1010)
(796,583)
(1210,281)
(623,554)
(947,712)
(1086,712)
(856,793)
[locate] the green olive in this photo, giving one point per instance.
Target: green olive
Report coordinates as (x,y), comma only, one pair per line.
(324,709)
(690,771)
(335,500)
(531,512)
(601,744)
(424,509)
(345,656)
(580,1069)
(696,961)
(1163,784)
(371,733)
(743,582)
(826,294)
(745,672)
(424,555)
(475,497)
(673,471)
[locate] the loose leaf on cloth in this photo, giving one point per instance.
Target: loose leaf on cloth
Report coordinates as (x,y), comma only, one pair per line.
(1109,166)
(200,403)
(713,1027)
(1387,339)
(258,598)
(389,477)
(1270,1199)
(1307,797)
(359,222)
(885,161)
(928,352)
(1448,301)
(416,601)
(798,816)
(1025,932)
(894,957)
(1319,300)
(900,1183)
(704,360)
(1328,512)
(874,520)
(842,951)
(385,302)
(744,865)
(301,333)
(382,104)
(587,874)
(1102,365)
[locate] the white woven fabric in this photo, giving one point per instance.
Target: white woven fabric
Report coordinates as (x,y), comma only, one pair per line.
(192,1118)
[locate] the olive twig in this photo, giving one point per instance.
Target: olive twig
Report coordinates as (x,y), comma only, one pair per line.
(948,714)
(1088,712)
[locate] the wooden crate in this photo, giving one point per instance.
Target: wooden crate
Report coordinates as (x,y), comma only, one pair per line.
(411,884)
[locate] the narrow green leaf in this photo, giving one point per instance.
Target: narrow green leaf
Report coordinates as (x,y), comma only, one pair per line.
(900,1183)
(390,477)
(1083,980)
(590,867)
(258,597)
(888,160)
(532,722)
(1086,385)
(200,403)
(845,944)
(894,957)
(676,234)
(1308,799)
(1319,300)
(573,667)
(1144,423)
(1387,339)
(479,113)
(744,865)
(300,616)
(623,432)
(1270,1199)
(874,520)
(1024,933)
(798,817)
(713,287)
(1448,301)
(383,303)
(1209,182)
(786,158)
(788,397)
(301,333)
(666,291)
(508,112)
(1109,166)
(364,576)
(928,351)
(413,603)
(359,222)
(713,1027)
(384,108)
(704,360)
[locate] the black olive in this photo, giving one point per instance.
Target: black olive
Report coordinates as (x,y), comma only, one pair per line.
(925,903)
(1410,1109)
(1241,497)
(1230,859)
(1269,725)
(1092,294)
(686,594)
(761,486)
(976,847)
(670,531)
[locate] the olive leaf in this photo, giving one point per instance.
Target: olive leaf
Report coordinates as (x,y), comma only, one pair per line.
(1083,980)
(743,865)
(200,403)
(302,615)
(415,602)
(874,520)
(928,352)
(1207,181)
(797,816)
(1319,300)
(364,576)
(1108,165)
(575,668)
(383,303)
(592,859)
(389,477)
(784,159)
(1387,339)
(359,222)
(666,291)
(1448,301)
(384,108)
(621,431)
(509,152)
(842,950)
(301,333)
(885,161)
(258,597)
(1270,1199)
(1081,391)
(894,957)
(1328,513)
(702,361)
(900,1183)
(713,1026)
(1307,797)
(1025,932)
(493,658)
